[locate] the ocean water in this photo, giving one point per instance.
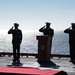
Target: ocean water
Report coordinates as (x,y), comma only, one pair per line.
(30,43)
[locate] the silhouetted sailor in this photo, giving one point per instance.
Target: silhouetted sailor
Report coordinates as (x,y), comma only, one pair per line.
(71,32)
(16,41)
(47,30)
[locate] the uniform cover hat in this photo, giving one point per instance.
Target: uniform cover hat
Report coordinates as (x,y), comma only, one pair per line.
(16,24)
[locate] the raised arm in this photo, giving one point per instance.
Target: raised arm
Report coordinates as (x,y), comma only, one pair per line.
(67,30)
(10,31)
(42,29)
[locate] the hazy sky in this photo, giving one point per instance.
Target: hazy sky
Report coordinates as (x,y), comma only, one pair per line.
(32,14)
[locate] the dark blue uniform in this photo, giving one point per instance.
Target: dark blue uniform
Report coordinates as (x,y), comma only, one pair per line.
(71,33)
(47,31)
(16,41)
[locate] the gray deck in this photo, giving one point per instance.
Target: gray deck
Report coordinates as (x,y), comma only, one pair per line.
(55,64)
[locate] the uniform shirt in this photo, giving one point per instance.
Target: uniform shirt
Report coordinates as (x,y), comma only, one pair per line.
(16,36)
(71,33)
(47,31)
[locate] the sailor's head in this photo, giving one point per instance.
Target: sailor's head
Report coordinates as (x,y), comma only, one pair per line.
(73,25)
(16,25)
(48,24)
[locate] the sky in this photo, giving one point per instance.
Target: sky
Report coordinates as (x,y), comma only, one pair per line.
(33,14)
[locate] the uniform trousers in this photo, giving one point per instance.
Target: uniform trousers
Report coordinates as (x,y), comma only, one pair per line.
(16,52)
(72,51)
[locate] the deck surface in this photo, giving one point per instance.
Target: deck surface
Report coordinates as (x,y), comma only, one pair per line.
(55,63)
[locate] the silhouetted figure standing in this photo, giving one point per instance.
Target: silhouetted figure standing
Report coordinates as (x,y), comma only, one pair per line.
(16,41)
(47,30)
(71,32)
